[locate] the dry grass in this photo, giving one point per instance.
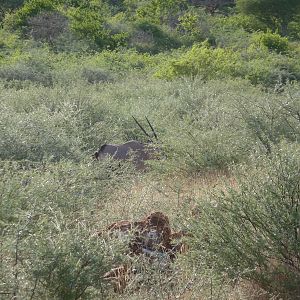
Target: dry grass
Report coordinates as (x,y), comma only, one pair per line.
(176,196)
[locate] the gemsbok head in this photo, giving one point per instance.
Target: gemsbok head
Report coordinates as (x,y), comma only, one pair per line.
(135,150)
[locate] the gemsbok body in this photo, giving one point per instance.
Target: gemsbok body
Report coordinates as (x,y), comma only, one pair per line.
(136,151)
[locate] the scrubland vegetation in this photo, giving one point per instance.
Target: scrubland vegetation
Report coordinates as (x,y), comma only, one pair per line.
(219,83)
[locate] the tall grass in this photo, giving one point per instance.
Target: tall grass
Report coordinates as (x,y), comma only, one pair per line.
(251,231)
(227,116)
(201,125)
(54,197)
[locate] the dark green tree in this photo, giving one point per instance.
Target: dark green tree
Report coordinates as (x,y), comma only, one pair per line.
(275,13)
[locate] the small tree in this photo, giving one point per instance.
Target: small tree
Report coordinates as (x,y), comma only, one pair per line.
(275,13)
(252,231)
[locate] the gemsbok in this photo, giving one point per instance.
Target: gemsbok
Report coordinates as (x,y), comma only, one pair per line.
(135,150)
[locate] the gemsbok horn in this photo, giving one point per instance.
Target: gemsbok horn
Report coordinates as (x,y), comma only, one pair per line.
(139,152)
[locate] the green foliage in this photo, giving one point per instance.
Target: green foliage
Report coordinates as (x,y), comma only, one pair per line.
(89,21)
(189,24)
(9,41)
(294,28)
(96,75)
(255,63)
(29,9)
(272,70)
(204,61)
(249,22)
(47,128)
(238,121)
(75,261)
(8,5)
(123,61)
(39,135)
(226,34)
(54,197)
(48,229)
(72,75)
(275,13)
(272,41)
(32,71)
(254,227)
(151,38)
(47,26)
(160,11)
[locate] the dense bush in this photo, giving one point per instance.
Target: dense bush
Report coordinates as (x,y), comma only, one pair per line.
(123,61)
(204,61)
(159,11)
(270,69)
(9,42)
(95,75)
(90,21)
(222,92)
(195,25)
(149,37)
(271,41)
(249,23)
(47,26)
(215,134)
(254,63)
(202,125)
(30,8)
(48,229)
(32,71)
(50,128)
(275,14)
(294,28)
(7,6)
(254,227)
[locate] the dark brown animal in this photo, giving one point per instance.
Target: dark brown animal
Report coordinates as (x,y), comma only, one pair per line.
(135,150)
(151,236)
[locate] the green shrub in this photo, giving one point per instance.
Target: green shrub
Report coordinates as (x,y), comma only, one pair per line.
(294,29)
(47,26)
(40,123)
(69,42)
(159,11)
(29,9)
(251,231)
(90,21)
(202,60)
(227,34)
(253,63)
(31,70)
(123,60)
(269,69)
(272,41)
(152,38)
(9,5)
(48,229)
(9,41)
(96,75)
(74,118)
(39,135)
(249,23)
(70,265)
(190,24)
